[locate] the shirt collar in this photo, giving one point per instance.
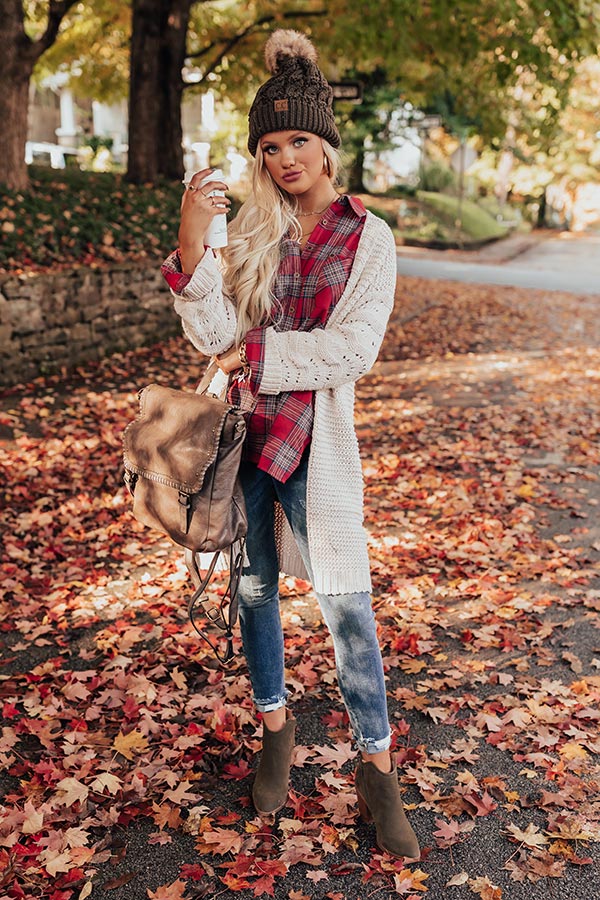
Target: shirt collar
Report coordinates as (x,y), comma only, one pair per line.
(356,204)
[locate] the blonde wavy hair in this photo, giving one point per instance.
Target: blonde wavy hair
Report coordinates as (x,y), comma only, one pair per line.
(251,259)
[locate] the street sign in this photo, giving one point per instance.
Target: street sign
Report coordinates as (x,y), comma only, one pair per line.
(347,90)
(463,158)
(424,121)
(430,121)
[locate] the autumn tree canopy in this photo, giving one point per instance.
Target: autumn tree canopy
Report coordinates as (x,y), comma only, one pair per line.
(474,53)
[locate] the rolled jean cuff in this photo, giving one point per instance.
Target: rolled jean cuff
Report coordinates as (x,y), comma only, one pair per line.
(368,745)
(264,706)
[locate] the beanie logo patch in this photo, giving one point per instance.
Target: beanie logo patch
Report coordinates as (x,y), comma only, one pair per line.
(281,105)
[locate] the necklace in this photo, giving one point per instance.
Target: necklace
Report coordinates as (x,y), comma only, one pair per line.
(302,215)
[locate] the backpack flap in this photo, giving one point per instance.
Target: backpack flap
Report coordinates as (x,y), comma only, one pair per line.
(175,438)
(181,457)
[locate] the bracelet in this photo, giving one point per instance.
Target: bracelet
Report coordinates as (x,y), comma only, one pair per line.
(243,358)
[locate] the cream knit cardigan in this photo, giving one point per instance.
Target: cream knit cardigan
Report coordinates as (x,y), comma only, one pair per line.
(327,361)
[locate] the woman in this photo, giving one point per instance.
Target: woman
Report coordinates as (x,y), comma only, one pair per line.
(295,315)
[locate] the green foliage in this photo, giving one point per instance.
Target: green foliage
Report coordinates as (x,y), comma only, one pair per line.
(565,151)
(476,222)
(506,213)
(434,231)
(490,64)
(95,142)
(473,52)
(437,177)
(93,45)
(368,122)
(401,190)
(72,217)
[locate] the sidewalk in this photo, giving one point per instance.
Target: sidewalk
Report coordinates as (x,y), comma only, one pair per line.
(497,252)
(545,260)
(128,753)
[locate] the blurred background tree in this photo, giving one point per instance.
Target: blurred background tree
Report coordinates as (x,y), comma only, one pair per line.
(507,66)
(27,30)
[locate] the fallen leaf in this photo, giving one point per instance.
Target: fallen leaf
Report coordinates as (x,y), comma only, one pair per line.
(106,781)
(485,889)
(71,791)
(223,840)
(173,891)
(531,837)
(127,744)
(33,821)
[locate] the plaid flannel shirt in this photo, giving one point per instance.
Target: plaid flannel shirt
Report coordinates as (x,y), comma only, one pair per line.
(309,283)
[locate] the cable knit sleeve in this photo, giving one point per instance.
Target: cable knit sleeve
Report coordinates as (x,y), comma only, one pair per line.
(208,316)
(348,345)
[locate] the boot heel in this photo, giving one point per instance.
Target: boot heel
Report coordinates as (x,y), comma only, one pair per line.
(365,812)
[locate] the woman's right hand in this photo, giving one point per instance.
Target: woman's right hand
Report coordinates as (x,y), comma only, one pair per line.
(197,212)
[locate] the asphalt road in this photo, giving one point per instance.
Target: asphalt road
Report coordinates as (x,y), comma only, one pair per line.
(562,262)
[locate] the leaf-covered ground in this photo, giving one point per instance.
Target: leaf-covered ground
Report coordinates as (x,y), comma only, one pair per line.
(91,218)
(127,753)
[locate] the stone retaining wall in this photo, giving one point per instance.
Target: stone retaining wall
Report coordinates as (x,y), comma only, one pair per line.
(56,320)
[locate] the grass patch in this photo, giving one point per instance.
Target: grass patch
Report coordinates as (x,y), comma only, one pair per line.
(431,218)
(476,223)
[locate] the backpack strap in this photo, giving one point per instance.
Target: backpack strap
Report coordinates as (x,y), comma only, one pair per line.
(209,374)
(216,614)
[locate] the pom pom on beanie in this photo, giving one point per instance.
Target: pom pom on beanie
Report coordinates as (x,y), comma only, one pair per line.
(287,44)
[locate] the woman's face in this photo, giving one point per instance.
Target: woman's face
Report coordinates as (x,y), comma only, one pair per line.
(294,159)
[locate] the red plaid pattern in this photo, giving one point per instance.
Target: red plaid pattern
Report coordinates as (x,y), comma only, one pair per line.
(310,281)
(171,272)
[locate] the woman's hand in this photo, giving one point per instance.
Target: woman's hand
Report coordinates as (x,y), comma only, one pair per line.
(198,210)
(229,361)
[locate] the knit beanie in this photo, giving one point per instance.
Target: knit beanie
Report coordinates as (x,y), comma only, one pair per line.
(298,95)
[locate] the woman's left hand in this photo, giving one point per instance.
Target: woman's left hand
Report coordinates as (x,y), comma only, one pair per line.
(229,361)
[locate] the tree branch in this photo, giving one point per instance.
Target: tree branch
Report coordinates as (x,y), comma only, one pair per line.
(56,13)
(237,38)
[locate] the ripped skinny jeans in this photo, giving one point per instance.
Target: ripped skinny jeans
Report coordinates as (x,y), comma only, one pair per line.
(349,617)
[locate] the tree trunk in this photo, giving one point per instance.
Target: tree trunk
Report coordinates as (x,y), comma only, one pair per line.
(16,66)
(18,56)
(158,40)
(170,163)
(355,173)
(144,126)
(14,102)
(541,216)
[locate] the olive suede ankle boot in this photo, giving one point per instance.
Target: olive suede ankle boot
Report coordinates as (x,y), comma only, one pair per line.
(379,801)
(270,788)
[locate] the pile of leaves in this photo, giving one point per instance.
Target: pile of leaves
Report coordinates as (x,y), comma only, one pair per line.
(73,217)
(127,752)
